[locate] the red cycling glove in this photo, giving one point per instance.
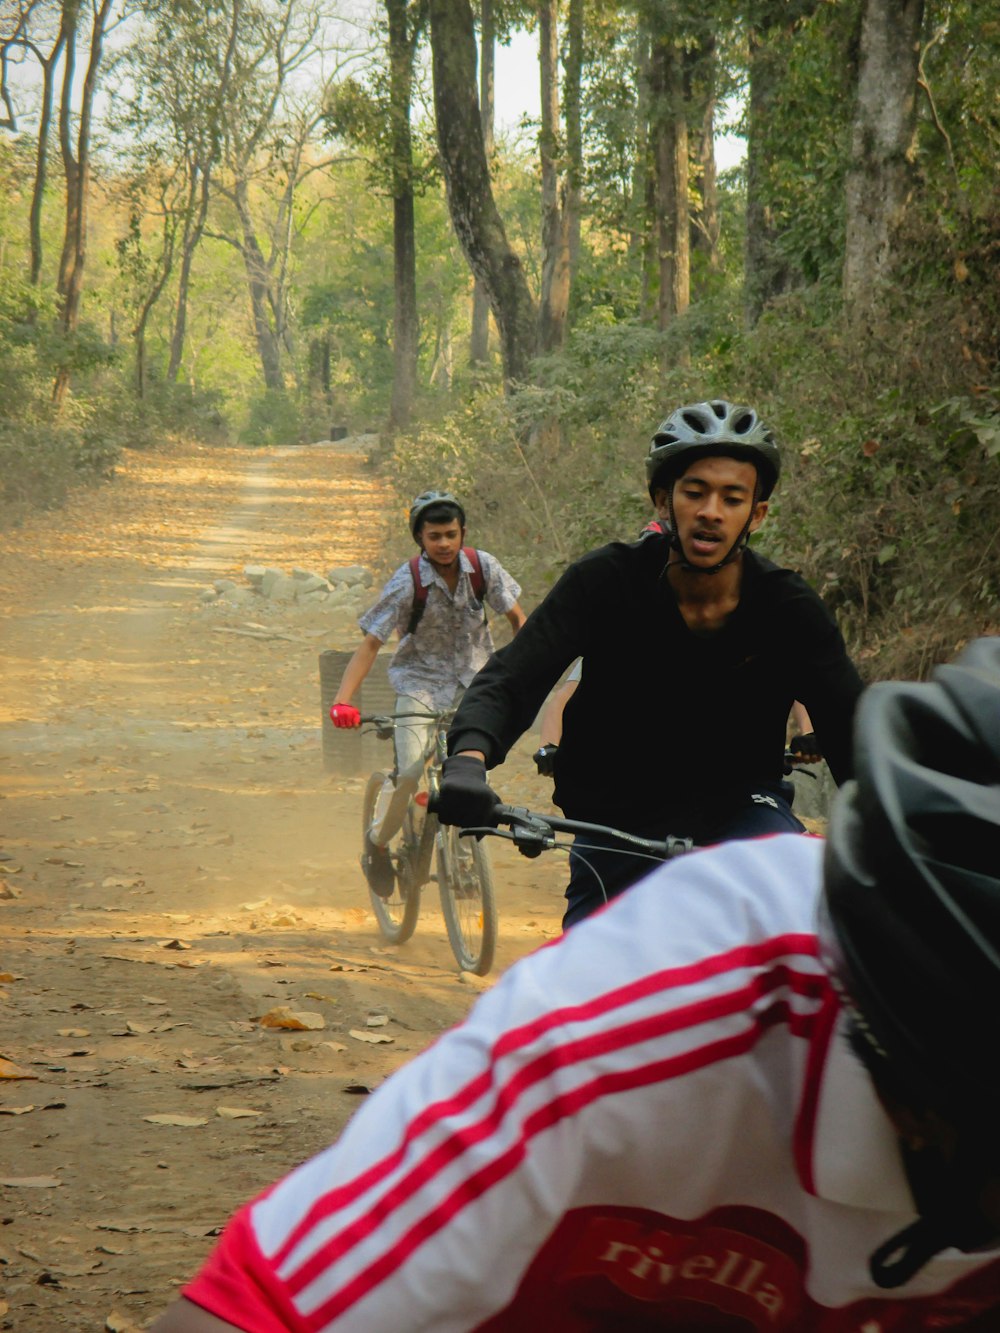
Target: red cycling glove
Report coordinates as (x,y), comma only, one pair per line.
(344,715)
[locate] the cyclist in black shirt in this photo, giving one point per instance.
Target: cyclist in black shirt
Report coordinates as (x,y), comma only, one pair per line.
(695,649)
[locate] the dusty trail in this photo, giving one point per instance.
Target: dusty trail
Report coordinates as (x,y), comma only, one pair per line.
(177,863)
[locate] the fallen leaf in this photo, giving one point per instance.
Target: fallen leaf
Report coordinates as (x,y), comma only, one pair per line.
(175,944)
(15,1110)
(334,1046)
(300,1021)
(236,1112)
(10,1070)
(376,1020)
(375,1038)
(310,995)
(117,1322)
(152,999)
(31,1182)
(255,907)
(184,1121)
(138,1029)
(74,1032)
(357,1089)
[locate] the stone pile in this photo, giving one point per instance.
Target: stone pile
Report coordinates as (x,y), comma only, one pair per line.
(343,588)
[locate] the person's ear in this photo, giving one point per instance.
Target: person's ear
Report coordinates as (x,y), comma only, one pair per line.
(759,514)
(661,501)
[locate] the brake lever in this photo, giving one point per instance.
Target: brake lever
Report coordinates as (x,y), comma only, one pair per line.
(529,833)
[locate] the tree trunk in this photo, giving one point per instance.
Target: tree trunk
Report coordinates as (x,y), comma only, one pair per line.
(554,301)
(405,322)
(671,164)
(643,181)
(479,341)
(258,282)
(77,167)
(202,164)
(574,133)
(194,226)
(42,156)
(880,174)
(164,269)
(767,272)
(700,66)
(474,214)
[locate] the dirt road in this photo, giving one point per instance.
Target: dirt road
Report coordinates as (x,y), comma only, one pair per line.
(174,863)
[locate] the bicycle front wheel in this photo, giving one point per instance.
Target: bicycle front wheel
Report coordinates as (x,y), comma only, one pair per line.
(465,879)
(397,914)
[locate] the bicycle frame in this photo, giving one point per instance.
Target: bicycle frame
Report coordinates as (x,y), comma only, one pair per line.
(464,875)
(421,850)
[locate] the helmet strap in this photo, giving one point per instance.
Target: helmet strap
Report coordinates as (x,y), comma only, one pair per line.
(947,1199)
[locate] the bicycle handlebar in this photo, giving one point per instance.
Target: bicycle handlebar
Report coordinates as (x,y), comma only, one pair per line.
(533,834)
(389,719)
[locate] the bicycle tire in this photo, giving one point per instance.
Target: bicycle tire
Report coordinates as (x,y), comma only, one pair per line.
(396,916)
(468,901)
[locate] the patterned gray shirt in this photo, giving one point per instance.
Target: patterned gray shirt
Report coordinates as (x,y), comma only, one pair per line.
(452,640)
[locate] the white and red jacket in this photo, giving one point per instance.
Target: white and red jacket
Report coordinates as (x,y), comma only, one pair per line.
(655,1122)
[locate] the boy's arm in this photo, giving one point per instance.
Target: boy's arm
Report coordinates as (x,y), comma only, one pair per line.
(516,617)
(357,668)
(550,730)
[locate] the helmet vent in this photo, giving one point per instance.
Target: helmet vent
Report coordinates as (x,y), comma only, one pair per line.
(695,420)
(744,423)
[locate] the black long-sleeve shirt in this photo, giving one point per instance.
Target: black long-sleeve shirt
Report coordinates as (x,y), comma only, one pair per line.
(664,717)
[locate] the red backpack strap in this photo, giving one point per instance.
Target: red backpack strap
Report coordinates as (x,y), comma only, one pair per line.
(476,577)
(419,594)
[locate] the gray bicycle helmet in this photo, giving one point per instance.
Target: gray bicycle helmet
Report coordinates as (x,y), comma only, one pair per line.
(428,500)
(709,429)
(911,928)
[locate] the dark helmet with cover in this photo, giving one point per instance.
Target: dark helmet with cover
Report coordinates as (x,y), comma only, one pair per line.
(911,928)
(710,429)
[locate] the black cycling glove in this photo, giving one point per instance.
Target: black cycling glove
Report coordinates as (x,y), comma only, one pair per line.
(806,746)
(465,797)
(545,759)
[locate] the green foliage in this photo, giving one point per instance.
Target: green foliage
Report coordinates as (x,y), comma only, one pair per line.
(41,463)
(275,418)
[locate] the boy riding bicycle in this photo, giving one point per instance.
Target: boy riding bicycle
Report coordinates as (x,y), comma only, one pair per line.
(436,604)
(694,650)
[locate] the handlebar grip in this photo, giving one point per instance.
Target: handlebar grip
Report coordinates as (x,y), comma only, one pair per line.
(432,803)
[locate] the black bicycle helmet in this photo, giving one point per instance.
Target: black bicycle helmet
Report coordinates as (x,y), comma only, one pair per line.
(713,428)
(430,499)
(911,928)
